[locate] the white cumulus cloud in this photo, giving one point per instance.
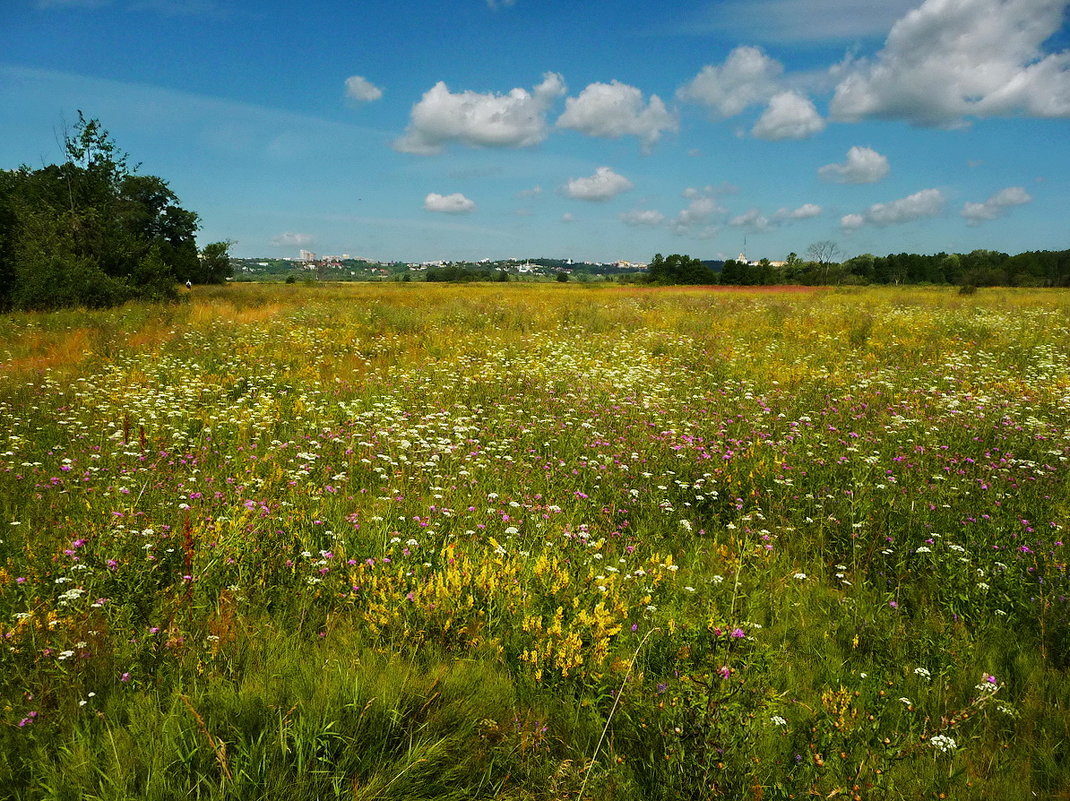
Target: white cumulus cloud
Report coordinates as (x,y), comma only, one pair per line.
(789,115)
(748,77)
(863,166)
(516,119)
(804,212)
(926,203)
(643,217)
(362,90)
(603,185)
(291,239)
(950,59)
(616,109)
(449,204)
(996,205)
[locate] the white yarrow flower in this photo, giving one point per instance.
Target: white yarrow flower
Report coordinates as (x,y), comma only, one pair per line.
(943,743)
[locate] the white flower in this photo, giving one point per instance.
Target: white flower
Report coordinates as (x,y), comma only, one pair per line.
(776,720)
(800,576)
(920,671)
(943,743)
(924,549)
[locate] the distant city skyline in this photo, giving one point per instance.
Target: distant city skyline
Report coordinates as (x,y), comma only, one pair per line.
(602,131)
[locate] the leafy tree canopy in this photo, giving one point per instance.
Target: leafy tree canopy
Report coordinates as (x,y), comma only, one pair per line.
(92,232)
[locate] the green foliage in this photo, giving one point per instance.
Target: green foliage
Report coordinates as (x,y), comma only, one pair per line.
(214,264)
(459,274)
(679,269)
(90,232)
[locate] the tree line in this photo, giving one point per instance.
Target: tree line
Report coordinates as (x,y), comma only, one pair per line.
(974,269)
(92,232)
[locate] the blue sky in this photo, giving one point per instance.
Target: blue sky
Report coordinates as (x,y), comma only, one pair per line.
(602,130)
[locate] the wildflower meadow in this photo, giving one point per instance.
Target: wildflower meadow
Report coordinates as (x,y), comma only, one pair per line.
(543,541)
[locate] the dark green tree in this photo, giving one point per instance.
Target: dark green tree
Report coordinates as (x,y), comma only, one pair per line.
(214,264)
(679,269)
(90,231)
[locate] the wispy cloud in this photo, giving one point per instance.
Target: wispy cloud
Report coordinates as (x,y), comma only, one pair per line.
(700,218)
(997,205)
(804,212)
(292,239)
(641,217)
(792,21)
(926,203)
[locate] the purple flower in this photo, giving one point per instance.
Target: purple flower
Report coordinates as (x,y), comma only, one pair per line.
(738,634)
